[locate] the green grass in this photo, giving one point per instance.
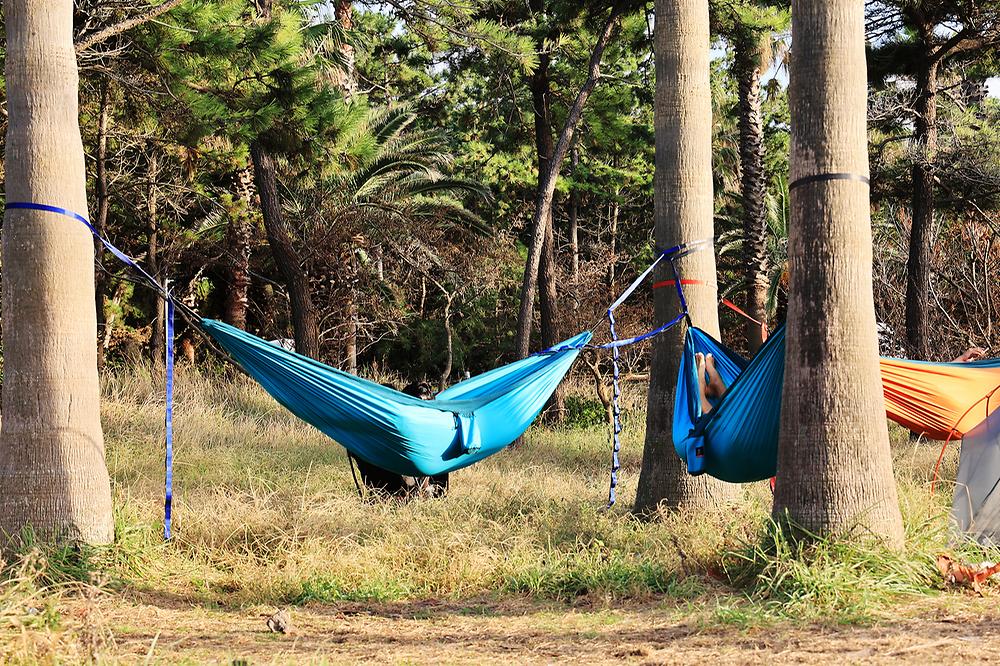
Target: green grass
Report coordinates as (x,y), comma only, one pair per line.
(266,512)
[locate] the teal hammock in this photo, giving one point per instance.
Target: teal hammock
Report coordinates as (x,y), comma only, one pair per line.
(462,425)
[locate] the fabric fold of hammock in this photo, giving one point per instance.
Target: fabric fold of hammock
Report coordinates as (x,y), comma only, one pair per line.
(462,425)
(737,441)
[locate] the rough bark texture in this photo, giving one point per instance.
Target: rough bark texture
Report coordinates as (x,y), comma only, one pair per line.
(918,269)
(305,322)
(351,310)
(546,191)
(157,350)
(752,187)
(574,225)
(101,280)
(239,236)
(684,212)
(834,465)
(348,76)
(53,477)
(541,96)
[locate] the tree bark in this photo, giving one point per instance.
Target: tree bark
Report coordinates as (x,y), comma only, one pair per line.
(541,97)
(752,186)
(574,225)
(53,477)
(157,351)
(684,210)
(834,465)
(351,343)
(101,280)
(348,78)
(305,322)
(239,237)
(546,191)
(449,357)
(918,262)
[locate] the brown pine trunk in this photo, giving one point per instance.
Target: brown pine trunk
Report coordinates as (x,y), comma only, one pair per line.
(53,477)
(684,212)
(101,281)
(541,97)
(156,334)
(918,267)
(449,357)
(834,464)
(239,238)
(305,321)
(574,226)
(351,343)
(753,188)
(546,190)
(348,78)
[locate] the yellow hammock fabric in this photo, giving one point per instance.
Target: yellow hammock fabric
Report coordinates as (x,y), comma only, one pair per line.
(939,399)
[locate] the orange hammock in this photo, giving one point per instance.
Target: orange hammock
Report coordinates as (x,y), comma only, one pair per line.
(939,400)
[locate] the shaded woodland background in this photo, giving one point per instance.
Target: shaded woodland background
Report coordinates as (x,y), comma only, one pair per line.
(402,142)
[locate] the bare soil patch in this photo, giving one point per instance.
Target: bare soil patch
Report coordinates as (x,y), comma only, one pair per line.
(156,628)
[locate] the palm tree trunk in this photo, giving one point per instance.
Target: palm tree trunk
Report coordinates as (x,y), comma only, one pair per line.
(684,212)
(918,281)
(546,190)
(305,321)
(834,465)
(53,477)
(753,187)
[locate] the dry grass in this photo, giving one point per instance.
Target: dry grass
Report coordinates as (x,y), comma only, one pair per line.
(266,515)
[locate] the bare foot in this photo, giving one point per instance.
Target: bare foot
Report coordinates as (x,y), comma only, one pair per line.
(716,387)
(699,364)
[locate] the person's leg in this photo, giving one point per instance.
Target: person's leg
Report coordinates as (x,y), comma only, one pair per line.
(699,364)
(716,387)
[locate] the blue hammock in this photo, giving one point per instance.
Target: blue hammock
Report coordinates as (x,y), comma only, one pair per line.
(738,440)
(462,425)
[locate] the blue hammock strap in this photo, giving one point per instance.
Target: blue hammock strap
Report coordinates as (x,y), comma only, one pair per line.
(616,414)
(168,463)
(171,306)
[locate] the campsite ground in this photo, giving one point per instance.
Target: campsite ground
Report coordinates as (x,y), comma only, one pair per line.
(654,631)
(518,564)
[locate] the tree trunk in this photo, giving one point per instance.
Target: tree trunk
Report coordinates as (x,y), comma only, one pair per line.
(101,280)
(239,237)
(541,97)
(546,190)
(304,318)
(918,269)
(156,334)
(834,465)
(753,187)
(449,357)
(613,241)
(574,228)
(53,477)
(348,78)
(351,343)
(684,212)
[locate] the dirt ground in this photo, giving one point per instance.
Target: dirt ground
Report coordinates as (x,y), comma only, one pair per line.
(160,629)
